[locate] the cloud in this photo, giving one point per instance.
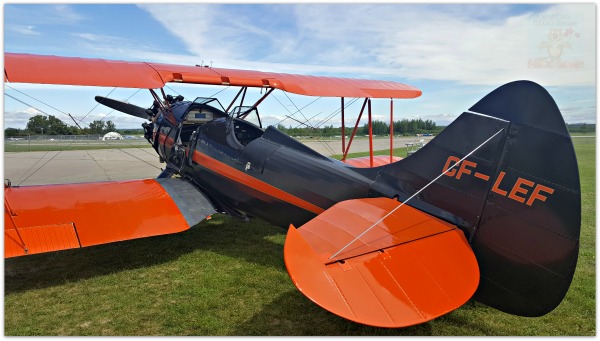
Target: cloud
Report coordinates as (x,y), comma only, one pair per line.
(468,44)
(63,13)
(52,14)
(23,29)
(198,26)
(19,118)
(58,100)
(455,53)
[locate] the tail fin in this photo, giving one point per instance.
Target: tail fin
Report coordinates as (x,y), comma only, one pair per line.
(517,198)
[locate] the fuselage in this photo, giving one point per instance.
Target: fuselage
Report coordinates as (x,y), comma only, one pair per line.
(247,170)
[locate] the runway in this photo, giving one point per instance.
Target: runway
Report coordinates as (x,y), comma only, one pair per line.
(59,167)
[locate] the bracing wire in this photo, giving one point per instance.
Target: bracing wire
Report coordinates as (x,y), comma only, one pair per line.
(297,109)
(67,146)
(27,104)
(97,104)
(416,193)
(113,110)
(175,91)
(35,99)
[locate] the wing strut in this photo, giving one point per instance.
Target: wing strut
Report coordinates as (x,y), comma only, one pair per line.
(258,102)
(243,89)
(167,110)
(355,129)
(11,214)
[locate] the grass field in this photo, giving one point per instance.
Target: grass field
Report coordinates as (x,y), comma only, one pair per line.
(56,145)
(227,277)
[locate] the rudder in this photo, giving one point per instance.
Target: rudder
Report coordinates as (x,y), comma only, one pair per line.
(527,241)
(517,198)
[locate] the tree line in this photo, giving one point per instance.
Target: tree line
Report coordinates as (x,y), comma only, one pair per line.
(50,125)
(402,127)
(581,128)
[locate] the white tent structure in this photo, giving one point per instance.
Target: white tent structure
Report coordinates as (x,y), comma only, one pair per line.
(111,136)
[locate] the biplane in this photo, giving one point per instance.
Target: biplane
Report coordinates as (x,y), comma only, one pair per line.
(489,209)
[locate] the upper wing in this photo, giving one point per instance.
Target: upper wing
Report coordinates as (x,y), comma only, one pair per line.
(56,217)
(28,68)
(409,269)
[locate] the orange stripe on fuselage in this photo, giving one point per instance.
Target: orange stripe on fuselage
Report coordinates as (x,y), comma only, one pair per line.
(250,181)
(166,140)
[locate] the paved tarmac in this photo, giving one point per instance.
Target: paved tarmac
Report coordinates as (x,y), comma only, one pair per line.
(331,147)
(57,167)
(37,168)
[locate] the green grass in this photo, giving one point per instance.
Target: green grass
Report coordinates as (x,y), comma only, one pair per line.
(227,277)
(396,152)
(43,146)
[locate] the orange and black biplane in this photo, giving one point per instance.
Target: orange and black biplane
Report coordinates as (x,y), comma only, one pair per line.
(489,209)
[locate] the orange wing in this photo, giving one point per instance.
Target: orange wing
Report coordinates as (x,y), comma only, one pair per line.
(56,217)
(28,68)
(409,269)
(365,161)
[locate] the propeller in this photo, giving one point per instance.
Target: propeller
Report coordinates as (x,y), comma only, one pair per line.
(127,108)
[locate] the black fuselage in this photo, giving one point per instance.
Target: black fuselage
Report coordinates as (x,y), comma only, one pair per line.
(515,194)
(266,174)
(248,171)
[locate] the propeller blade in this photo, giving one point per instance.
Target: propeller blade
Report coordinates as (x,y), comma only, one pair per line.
(127,108)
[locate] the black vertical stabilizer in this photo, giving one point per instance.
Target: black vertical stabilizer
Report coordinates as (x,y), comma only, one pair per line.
(517,198)
(528,253)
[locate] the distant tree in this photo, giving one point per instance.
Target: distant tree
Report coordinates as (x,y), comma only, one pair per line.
(9,132)
(37,124)
(50,125)
(380,128)
(97,127)
(57,127)
(110,126)
(131,131)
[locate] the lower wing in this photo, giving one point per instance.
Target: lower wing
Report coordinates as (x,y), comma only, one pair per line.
(48,218)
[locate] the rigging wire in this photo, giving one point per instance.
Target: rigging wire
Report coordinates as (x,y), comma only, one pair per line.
(415,194)
(43,156)
(45,163)
(175,91)
(335,112)
(71,143)
(218,92)
(297,109)
(35,99)
(113,110)
(97,104)
(65,113)
(67,146)
(325,120)
(27,104)
(288,110)
(306,121)
(135,157)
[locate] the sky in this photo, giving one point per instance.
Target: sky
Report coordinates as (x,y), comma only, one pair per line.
(454,53)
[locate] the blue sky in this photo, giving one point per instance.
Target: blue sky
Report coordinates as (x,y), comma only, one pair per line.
(454,53)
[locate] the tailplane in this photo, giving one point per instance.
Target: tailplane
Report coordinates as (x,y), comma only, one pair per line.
(516,196)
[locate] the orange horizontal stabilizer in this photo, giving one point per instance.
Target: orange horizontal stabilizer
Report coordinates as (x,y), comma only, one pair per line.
(365,161)
(409,269)
(57,217)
